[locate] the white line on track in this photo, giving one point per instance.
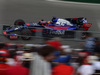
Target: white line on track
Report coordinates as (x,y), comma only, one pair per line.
(74,2)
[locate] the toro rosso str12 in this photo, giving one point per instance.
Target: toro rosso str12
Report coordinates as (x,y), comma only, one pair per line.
(57,27)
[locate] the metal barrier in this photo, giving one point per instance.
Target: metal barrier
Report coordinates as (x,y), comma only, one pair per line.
(74,42)
(65,35)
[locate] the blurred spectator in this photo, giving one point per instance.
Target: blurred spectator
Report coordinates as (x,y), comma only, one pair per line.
(82,56)
(47,52)
(3,66)
(11,62)
(3,51)
(33,49)
(64,57)
(42,59)
(12,53)
(27,58)
(18,57)
(63,69)
(89,43)
(15,60)
(75,55)
(86,69)
(66,48)
(17,70)
(97,47)
(55,42)
(74,58)
(57,54)
(11,46)
(41,65)
(96,65)
(92,58)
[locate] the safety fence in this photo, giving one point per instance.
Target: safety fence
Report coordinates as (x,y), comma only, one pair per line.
(72,38)
(42,33)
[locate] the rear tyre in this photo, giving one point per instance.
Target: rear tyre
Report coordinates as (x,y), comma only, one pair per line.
(26,33)
(19,22)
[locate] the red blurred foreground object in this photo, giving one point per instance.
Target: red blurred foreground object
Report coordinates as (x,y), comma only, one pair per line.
(3,68)
(17,70)
(55,44)
(63,69)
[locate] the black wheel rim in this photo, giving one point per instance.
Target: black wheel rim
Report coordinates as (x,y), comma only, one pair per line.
(26,35)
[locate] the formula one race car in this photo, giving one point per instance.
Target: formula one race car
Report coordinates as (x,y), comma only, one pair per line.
(57,27)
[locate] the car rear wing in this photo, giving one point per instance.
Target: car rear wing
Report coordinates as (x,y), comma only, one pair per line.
(5,27)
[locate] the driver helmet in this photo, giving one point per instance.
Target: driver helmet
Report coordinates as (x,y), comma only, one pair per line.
(54,17)
(42,19)
(48,22)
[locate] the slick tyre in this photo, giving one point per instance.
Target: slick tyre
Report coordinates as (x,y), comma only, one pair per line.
(19,22)
(26,33)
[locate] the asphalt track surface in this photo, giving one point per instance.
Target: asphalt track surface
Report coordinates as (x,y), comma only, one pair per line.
(34,10)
